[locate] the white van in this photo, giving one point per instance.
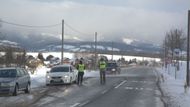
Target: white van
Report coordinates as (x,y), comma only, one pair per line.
(61,74)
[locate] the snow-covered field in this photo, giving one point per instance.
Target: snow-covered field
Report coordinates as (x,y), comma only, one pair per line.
(71,56)
(55,54)
(173,86)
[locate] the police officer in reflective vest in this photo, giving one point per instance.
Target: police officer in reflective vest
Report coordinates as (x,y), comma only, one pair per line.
(80,68)
(102,67)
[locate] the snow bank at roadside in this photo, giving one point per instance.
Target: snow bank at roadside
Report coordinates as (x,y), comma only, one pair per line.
(38,78)
(174,88)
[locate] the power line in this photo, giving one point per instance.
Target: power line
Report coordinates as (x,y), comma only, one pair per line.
(29,26)
(46,26)
(75,30)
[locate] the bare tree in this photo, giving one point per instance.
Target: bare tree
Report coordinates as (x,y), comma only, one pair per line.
(174,39)
(41,57)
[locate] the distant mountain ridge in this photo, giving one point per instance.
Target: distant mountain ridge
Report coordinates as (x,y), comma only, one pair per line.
(46,42)
(8,43)
(86,46)
(90,46)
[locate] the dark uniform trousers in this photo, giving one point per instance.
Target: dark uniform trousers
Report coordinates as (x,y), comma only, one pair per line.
(102,77)
(80,77)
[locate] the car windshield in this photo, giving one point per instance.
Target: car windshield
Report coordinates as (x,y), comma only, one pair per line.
(60,69)
(112,65)
(7,73)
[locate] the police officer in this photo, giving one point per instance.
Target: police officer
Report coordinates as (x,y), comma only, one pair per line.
(80,68)
(102,67)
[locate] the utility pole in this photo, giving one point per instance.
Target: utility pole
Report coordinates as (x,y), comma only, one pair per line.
(112,51)
(95,51)
(62,46)
(187,75)
(165,54)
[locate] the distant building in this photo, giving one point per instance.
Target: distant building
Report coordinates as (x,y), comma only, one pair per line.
(11,54)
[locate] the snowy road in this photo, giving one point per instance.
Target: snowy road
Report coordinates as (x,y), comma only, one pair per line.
(134,87)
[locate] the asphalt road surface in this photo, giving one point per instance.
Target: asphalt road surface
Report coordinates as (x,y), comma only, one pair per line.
(138,89)
(134,87)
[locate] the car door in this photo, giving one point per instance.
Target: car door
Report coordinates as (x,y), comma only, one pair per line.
(26,77)
(75,73)
(72,73)
(21,79)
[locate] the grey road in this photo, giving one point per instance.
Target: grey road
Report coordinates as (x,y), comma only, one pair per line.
(134,87)
(138,89)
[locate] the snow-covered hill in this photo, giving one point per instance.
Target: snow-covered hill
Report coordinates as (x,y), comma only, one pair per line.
(48,42)
(130,46)
(8,43)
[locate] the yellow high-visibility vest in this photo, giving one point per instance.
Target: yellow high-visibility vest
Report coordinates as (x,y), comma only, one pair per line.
(81,68)
(102,65)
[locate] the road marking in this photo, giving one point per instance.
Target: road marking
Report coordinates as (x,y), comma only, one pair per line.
(136,88)
(129,88)
(148,82)
(121,84)
(103,92)
(84,103)
(76,104)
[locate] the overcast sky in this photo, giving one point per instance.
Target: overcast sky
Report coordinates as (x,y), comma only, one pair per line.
(113,19)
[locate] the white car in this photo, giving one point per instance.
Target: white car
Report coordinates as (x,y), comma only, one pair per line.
(61,74)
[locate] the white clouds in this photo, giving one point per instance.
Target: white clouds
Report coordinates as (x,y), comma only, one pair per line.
(137,18)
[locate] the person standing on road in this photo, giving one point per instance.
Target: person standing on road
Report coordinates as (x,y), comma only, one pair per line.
(102,67)
(80,68)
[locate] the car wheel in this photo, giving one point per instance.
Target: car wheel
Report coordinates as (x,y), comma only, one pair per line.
(27,90)
(15,90)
